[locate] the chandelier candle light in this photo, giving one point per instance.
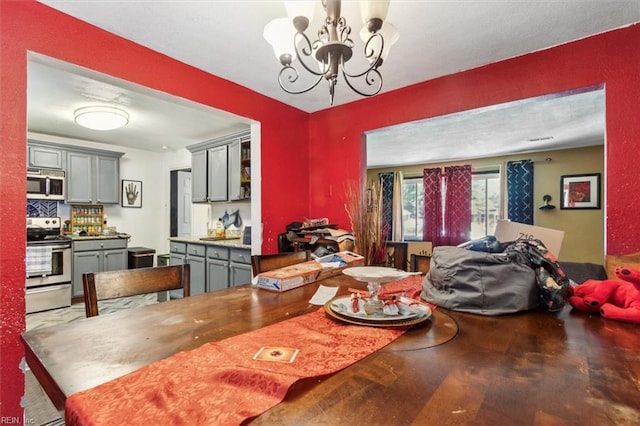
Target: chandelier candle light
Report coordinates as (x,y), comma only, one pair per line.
(326,56)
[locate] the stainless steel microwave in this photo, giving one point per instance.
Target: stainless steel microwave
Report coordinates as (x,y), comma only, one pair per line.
(45,184)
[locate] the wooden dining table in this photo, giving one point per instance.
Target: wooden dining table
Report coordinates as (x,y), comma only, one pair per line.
(533,368)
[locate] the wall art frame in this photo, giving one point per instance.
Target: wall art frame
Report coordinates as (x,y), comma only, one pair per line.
(131,195)
(580,191)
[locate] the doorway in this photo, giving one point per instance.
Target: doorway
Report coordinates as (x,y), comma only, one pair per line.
(180,202)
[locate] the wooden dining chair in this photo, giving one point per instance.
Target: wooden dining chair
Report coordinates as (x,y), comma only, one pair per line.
(269,262)
(132,282)
(420,263)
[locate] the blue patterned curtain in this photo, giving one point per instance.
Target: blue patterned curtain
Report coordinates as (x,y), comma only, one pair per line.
(386,180)
(520,191)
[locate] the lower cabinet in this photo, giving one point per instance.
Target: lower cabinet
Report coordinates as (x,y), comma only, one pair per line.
(194,255)
(97,256)
(196,260)
(217,267)
(213,267)
(239,267)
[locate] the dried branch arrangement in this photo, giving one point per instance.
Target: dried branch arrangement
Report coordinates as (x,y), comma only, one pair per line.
(364,207)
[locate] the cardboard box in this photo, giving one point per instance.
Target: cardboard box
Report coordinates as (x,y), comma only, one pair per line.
(303,273)
(290,277)
(510,231)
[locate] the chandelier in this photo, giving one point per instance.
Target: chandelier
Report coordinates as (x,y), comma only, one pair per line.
(326,56)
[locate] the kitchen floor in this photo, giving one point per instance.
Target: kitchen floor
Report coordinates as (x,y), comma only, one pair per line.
(77,311)
(39,411)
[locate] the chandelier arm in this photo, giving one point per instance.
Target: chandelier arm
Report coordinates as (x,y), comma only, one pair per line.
(369,53)
(292,78)
(372,80)
(306,51)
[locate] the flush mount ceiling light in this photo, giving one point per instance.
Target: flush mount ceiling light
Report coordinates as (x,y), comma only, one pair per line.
(326,56)
(101,117)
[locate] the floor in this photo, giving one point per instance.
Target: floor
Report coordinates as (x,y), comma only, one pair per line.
(38,409)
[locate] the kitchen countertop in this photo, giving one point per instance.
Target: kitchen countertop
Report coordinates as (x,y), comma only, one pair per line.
(96,237)
(235,242)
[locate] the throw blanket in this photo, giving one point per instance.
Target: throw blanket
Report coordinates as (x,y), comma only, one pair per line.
(221,382)
(38,261)
(553,282)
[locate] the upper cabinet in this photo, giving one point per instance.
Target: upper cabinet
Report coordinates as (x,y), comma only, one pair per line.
(221,169)
(92,175)
(218,173)
(44,157)
(240,169)
(93,178)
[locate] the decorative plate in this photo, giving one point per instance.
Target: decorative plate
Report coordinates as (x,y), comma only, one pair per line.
(338,308)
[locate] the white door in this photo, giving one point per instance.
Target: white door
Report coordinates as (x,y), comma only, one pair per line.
(184,204)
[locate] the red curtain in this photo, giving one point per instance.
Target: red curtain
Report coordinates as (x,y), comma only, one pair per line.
(447,223)
(457,208)
(432,225)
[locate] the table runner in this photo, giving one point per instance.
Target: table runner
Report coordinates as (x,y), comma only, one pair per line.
(220,382)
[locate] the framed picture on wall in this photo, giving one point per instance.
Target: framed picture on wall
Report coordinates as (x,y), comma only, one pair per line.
(580,191)
(131,193)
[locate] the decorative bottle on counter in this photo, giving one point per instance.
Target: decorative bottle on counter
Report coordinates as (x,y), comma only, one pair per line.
(219,229)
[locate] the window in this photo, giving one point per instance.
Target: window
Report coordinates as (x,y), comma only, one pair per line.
(412,209)
(485,203)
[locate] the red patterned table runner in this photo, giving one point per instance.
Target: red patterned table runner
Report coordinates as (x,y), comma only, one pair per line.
(220,382)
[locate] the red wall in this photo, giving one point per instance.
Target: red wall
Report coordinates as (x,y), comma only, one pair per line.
(304,188)
(30,26)
(612,58)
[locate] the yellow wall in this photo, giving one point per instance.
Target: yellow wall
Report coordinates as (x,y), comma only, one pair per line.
(584,229)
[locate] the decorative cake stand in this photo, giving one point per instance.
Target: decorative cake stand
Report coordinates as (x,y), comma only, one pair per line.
(375,276)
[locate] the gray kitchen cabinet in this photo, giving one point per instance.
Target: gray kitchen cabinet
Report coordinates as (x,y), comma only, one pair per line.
(96,256)
(199,177)
(177,256)
(217,268)
(44,157)
(220,169)
(194,255)
(213,266)
(196,260)
(93,178)
(239,267)
(217,173)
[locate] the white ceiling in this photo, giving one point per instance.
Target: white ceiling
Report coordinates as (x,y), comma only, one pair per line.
(224,38)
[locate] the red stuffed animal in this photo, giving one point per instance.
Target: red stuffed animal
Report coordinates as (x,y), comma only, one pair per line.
(614,299)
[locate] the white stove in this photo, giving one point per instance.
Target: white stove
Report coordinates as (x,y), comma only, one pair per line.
(48,264)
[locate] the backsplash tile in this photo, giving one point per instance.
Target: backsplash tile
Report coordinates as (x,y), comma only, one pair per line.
(42,208)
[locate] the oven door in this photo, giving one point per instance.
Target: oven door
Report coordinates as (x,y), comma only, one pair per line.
(60,267)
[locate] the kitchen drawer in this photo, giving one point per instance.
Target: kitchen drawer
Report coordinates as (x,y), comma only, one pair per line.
(218,252)
(48,297)
(240,256)
(196,250)
(177,247)
(104,244)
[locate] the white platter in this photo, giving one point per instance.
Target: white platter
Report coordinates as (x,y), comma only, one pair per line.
(375,274)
